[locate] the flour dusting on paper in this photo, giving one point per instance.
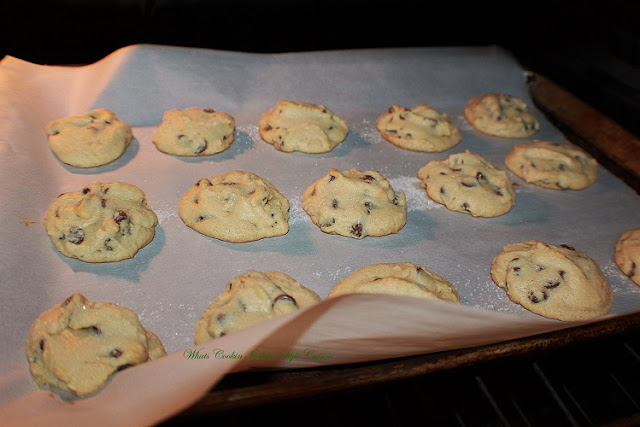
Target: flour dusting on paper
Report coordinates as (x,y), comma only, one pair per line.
(417,199)
(367,129)
(296,213)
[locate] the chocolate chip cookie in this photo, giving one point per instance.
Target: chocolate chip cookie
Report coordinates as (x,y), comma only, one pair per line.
(627,254)
(420,128)
(466,182)
(401,278)
(554,166)
(92,139)
(237,206)
(554,281)
(355,204)
(252,298)
(302,126)
(501,115)
(194,132)
(77,345)
(103,222)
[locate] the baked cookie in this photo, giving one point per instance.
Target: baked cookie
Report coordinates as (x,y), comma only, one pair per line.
(627,254)
(466,182)
(355,204)
(554,166)
(554,281)
(501,115)
(194,132)
(78,344)
(236,206)
(301,126)
(252,298)
(402,278)
(89,140)
(103,222)
(420,128)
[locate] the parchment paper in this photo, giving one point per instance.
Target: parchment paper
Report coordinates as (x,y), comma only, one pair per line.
(172,281)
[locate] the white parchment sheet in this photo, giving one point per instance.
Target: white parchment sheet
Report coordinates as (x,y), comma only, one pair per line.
(171,282)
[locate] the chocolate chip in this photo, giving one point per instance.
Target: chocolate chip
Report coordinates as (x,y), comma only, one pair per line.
(498,192)
(632,272)
(561,273)
(209,110)
(119,216)
(267,128)
(516,268)
(331,178)
(534,299)
(201,147)
(551,284)
(442,190)
(41,345)
(368,178)
(75,235)
(465,206)
(480,176)
(328,224)
(115,353)
(537,267)
(200,219)
(67,301)
(106,245)
(468,184)
(220,317)
(228,183)
(391,109)
(334,204)
(368,207)
(103,202)
(395,200)
(284,297)
(84,190)
(204,182)
(356,230)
